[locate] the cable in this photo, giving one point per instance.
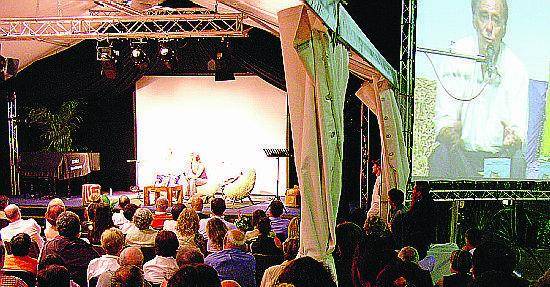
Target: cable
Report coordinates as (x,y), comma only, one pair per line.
(447,91)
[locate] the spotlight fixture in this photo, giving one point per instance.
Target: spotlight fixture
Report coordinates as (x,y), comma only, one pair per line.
(105,52)
(138,54)
(166,53)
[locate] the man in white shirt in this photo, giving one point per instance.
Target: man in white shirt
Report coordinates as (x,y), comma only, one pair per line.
(374,209)
(128,257)
(112,241)
(118,217)
(18,225)
(164,265)
(481,108)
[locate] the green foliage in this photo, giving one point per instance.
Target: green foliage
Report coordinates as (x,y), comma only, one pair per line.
(57,128)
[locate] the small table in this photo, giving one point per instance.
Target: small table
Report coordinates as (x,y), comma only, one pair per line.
(170,191)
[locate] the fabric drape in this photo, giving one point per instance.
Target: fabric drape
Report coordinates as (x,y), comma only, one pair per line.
(395,167)
(316,72)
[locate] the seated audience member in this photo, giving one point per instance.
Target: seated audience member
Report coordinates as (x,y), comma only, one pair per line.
(52,203)
(128,212)
(397,215)
(170,224)
(101,220)
(75,252)
(294,228)
(142,235)
(189,255)
(164,265)
(461,263)
(197,205)
(473,237)
(161,214)
(18,225)
(195,275)
(290,251)
(118,214)
(307,272)
(256,215)
(217,206)
(54,259)
(53,276)
(406,270)
(216,231)
(4,201)
(348,235)
(130,256)
(128,276)
(278,225)
(495,257)
(187,231)
(20,259)
(264,244)
(374,252)
(233,263)
(112,241)
(51,217)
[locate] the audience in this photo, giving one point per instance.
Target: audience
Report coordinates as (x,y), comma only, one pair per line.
(175,211)
(112,241)
(290,251)
(405,270)
(164,265)
(118,214)
(141,235)
(53,276)
(130,256)
(263,243)
(18,225)
(161,214)
(4,201)
(50,232)
(75,252)
(495,257)
(20,259)
(216,231)
(189,255)
(197,205)
(307,272)
(294,228)
(348,235)
(217,206)
(187,231)
(461,263)
(278,225)
(128,212)
(101,220)
(233,262)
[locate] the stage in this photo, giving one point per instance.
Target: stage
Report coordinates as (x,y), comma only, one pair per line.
(35,207)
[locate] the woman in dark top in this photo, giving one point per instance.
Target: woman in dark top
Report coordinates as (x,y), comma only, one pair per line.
(461,263)
(264,244)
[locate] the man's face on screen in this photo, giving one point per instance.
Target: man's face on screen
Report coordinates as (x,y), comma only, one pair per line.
(490,22)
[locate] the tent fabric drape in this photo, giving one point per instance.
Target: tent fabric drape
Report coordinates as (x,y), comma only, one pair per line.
(395,167)
(316,72)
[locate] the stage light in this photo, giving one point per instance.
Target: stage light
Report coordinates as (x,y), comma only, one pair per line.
(138,54)
(106,52)
(8,68)
(164,51)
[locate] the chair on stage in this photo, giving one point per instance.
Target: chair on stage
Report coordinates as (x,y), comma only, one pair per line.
(208,190)
(242,187)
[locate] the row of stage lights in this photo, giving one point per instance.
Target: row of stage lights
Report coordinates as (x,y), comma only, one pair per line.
(108,55)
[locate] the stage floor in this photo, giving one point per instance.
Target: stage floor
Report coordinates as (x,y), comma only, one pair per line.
(75,202)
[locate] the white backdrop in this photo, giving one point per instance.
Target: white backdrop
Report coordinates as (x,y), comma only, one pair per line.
(227,123)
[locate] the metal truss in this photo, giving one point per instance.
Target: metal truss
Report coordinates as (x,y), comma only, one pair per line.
(152,11)
(404,98)
(13,142)
(156,26)
(364,169)
(478,195)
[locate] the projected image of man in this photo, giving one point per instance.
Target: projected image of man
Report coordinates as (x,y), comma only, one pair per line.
(481,107)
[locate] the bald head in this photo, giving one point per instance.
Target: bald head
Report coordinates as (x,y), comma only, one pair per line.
(131,256)
(12,212)
(161,204)
(123,200)
(234,239)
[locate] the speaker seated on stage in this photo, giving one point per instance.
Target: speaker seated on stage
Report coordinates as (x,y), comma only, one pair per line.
(195,176)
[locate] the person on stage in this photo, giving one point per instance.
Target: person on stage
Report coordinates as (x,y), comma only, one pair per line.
(196,175)
(374,209)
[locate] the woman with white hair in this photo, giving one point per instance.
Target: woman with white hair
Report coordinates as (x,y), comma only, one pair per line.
(142,235)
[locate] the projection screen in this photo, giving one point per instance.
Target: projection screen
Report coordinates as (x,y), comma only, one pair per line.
(481,88)
(228,123)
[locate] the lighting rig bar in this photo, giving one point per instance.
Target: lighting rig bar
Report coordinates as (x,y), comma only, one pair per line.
(479,195)
(156,26)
